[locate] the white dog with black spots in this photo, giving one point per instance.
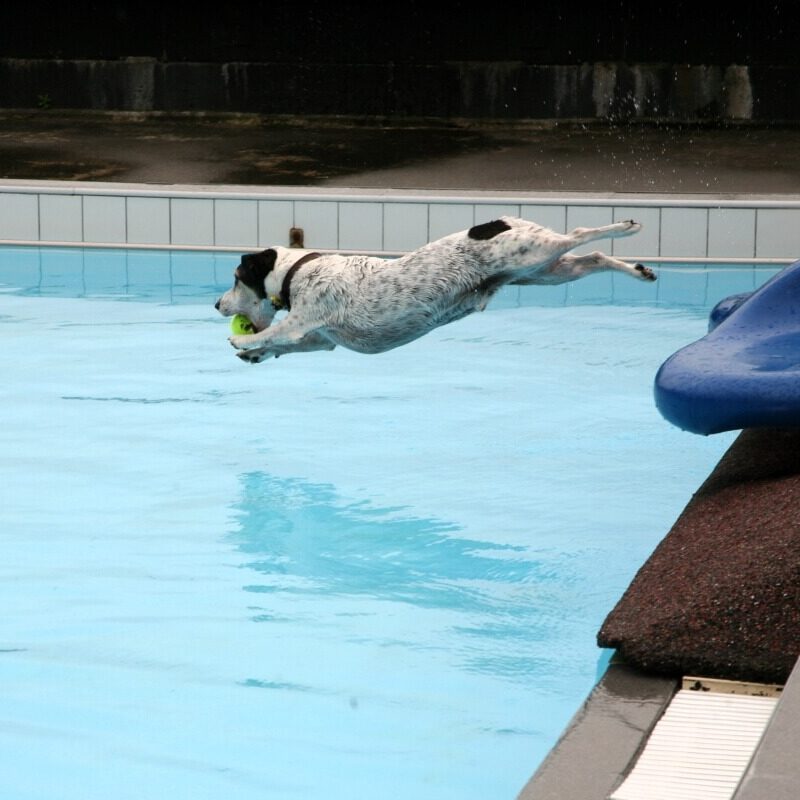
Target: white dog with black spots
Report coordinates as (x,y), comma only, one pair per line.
(372,305)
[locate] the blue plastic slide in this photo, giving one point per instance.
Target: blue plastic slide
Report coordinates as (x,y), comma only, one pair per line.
(745,372)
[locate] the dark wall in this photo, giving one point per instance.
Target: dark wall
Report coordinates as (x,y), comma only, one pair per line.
(412,32)
(611,59)
(509,91)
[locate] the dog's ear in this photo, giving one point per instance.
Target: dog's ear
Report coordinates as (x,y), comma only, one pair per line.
(488,229)
(254,268)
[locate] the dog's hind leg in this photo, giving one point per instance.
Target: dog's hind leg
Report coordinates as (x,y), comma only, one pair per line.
(526,245)
(571,268)
(581,236)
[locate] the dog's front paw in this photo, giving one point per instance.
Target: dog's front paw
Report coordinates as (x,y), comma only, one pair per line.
(645,273)
(255,356)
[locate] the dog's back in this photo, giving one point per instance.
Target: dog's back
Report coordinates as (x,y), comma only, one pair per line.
(374,304)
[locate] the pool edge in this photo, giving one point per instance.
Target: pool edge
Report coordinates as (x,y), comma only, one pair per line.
(601,743)
(602,740)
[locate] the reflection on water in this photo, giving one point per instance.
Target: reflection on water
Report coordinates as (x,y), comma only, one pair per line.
(501,605)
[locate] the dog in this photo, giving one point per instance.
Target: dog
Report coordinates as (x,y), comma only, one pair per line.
(371,305)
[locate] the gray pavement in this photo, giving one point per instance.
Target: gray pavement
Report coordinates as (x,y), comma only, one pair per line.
(407,154)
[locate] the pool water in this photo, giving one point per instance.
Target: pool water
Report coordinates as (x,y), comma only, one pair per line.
(327,576)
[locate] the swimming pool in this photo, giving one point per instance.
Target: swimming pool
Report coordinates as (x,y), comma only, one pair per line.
(332,575)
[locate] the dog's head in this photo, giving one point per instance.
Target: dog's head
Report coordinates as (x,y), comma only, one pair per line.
(248,295)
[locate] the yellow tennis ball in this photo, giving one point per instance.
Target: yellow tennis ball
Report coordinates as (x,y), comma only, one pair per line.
(241,326)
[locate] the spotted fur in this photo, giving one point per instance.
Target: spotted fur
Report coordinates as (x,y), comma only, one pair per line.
(372,305)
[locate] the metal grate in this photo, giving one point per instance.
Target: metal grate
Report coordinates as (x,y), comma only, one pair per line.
(700,747)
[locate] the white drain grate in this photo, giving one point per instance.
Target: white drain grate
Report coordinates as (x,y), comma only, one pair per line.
(700,747)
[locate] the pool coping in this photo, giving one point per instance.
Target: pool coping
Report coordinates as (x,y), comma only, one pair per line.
(601,743)
(602,740)
(644,199)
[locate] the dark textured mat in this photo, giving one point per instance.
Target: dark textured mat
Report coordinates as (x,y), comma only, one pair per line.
(720,595)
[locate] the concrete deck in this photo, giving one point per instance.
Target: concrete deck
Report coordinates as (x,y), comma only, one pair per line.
(407,154)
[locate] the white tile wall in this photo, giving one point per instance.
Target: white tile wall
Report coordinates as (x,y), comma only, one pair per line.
(778,232)
(405,226)
(399,222)
(684,232)
(446,218)
(104,219)
(731,232)
(361,226)
(554,217)
(644,242)
(19,216)
(192,221)
(236,223)
(319,221)
(148,220)
(61,218)
(489,212)
(275,218)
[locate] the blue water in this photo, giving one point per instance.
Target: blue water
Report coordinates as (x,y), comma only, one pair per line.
(327,576)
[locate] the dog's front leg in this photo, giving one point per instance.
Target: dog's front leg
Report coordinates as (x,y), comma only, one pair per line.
(307,344)
(288,336)
(248,341)
(287,328)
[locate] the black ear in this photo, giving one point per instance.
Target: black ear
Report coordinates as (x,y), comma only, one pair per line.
(254,268)
(488,229)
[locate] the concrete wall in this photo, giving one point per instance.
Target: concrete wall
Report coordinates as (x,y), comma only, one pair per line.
(479,90)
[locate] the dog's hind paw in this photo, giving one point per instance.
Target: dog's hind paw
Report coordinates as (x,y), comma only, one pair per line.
(645,273)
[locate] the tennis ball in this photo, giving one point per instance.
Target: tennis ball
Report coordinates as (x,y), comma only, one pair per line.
(241,326)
